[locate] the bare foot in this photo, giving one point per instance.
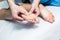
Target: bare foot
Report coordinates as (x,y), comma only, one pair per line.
(31,18)
(46,14)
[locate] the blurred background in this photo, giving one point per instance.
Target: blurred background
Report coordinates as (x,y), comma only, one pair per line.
(27,31)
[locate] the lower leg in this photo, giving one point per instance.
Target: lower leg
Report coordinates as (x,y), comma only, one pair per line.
(1,0)
(6,14)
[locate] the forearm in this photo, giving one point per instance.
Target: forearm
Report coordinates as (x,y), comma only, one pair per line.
(36,2)
(11,2)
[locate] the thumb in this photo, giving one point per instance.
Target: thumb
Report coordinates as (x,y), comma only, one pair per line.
(32,9)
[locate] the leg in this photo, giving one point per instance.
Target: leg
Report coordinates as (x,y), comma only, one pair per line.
(26,6)
(6,14)
(1,0)
(46,14)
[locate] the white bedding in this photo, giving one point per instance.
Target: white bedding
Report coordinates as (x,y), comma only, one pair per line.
(41,31)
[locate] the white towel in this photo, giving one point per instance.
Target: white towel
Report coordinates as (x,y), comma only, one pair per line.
(4,4)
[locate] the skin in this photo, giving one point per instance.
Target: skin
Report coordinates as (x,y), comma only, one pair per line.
(16,10)
(29,16)
(6,14)
(35,7)
(30,13)
(46,14)
(34,12)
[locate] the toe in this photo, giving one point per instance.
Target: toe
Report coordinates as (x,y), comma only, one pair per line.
(49,19)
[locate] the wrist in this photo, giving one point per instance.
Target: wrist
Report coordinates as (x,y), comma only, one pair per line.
(11,3)
(35,2)
(35,5)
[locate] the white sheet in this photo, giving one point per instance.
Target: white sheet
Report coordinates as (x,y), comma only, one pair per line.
(41,31)
(4,4)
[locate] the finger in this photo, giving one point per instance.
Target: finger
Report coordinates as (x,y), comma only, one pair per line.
(18,18)
(37,20)
(24,12)
(28,19)
(32,9)
(18,21)
(37,12)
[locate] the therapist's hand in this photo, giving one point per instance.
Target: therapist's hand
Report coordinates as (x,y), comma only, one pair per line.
(35,9)
(16,10)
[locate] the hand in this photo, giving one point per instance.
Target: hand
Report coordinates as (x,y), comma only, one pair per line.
(16,10)
(35,9)
(34,13)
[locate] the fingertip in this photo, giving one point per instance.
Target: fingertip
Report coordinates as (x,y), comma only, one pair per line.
(18,21)
(19,18)
(24,16)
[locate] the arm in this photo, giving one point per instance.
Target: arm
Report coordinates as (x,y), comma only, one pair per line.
(15,9)
(35,8)
(35,2)
(11,3)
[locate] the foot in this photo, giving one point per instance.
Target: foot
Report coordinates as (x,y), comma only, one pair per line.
(46,14)
(30,18)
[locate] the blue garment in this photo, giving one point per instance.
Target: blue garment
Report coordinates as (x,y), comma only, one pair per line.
(44,2)
(51,2)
